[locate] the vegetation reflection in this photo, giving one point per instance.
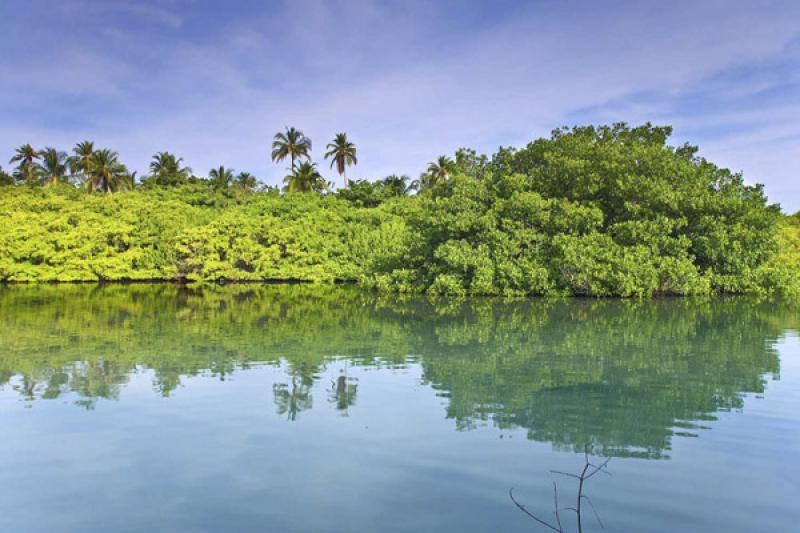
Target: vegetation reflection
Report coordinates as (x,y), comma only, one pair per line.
(622,376)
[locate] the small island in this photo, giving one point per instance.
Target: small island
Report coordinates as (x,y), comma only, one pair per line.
(590,211)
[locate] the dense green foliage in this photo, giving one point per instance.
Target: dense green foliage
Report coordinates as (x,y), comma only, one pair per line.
(590,211)
(788,256)
(190,232)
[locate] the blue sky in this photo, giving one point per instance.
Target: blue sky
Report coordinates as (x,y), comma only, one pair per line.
(213,81)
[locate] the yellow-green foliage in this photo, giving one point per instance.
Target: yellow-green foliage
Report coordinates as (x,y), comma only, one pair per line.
(64,235)
(789,243)
(606,211)
(782,272)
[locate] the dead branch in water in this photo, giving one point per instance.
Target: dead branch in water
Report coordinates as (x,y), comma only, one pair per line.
(589,470)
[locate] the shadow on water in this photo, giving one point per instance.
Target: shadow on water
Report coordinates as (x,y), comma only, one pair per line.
(623,377)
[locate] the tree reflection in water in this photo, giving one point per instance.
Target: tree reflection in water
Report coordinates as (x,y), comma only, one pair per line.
(621,376)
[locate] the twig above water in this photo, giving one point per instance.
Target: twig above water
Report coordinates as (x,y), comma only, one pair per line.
(589,470)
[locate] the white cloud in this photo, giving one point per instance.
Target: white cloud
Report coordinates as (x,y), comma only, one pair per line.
(411,81)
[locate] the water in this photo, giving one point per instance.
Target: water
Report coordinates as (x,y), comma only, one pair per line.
(297,408)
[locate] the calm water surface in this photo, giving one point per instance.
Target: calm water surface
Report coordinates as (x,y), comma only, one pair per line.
(293,408)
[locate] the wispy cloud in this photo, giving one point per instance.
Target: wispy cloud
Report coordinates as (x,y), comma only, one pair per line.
(407,81)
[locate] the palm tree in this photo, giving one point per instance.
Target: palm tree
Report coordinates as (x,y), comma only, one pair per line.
(107,174)
(129,180)
(343,392)
(438,172)
(305,178)
(166,170)
(26,171)
(342,153)
(292,144)
(81,159)
(245,181)
(292,401)
(397,185)
(53,167)
(220,178)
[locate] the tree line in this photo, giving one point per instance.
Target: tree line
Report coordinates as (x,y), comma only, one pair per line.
(100,170)
(593,211)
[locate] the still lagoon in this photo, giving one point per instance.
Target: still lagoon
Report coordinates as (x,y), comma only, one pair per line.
(296,408)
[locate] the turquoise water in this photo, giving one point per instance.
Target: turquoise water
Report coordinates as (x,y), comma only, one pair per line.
(296,408)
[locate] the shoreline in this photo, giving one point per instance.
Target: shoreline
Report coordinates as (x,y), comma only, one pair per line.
(356,284)
(177,281)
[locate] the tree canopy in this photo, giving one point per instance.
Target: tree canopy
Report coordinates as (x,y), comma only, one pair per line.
(342,153)
(166,170)
(53,167)
(593,211)
(292,144)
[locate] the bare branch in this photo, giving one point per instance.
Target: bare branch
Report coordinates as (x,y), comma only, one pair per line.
(555,501)
(596,514)
(598,468)
(589,470)
(524,510)
(565,474)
